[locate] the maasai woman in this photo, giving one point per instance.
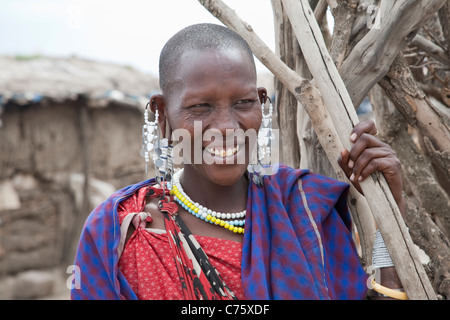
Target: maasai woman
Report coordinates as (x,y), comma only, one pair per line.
(216,230)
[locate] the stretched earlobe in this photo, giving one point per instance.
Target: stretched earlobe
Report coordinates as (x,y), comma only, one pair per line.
(262,93)
(158,102)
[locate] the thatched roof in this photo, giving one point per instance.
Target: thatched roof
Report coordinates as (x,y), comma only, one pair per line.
(25,80)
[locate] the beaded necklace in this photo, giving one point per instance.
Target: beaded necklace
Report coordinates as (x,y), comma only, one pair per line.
(230,221)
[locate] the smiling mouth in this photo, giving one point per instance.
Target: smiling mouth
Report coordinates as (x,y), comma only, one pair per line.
(221,152)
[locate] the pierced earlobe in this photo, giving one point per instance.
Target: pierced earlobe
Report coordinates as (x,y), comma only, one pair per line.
(160,149)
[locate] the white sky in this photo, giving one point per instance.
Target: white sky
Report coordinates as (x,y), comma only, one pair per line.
(130,32)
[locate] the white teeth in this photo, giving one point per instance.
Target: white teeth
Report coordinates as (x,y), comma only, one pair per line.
(224,153)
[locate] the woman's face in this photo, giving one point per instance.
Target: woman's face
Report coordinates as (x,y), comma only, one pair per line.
(215,100)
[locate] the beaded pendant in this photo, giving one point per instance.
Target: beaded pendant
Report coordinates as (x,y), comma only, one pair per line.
(229,221)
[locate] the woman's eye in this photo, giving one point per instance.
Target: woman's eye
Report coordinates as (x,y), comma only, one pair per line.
(199,106)
(245,103)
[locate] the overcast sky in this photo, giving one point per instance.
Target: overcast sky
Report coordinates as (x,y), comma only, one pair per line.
(130,32)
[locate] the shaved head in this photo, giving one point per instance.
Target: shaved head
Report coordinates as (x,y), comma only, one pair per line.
(198,37)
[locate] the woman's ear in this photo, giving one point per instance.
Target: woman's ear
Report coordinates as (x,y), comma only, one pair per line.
(158,102)
(262,93)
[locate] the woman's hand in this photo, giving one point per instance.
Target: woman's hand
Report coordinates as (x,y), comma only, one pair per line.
(369,154)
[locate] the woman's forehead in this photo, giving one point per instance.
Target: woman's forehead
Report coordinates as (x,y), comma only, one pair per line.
(201,64)
(213,69)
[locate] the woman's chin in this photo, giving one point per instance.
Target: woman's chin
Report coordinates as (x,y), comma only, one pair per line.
(222,174)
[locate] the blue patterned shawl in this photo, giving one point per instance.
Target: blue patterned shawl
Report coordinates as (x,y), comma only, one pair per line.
(297,242)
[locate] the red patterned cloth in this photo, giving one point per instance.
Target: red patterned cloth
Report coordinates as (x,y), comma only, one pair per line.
(147,261)
(297,244)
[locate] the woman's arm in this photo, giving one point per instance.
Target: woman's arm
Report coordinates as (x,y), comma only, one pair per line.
(367,155)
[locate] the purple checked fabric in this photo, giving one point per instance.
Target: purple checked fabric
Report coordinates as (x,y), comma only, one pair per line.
(297,242)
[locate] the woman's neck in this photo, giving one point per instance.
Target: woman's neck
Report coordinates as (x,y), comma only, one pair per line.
(218,198)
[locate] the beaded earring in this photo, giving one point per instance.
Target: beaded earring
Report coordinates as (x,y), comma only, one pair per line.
(264,144)
(160,149)
(265,135)
(164,164)
(149,136)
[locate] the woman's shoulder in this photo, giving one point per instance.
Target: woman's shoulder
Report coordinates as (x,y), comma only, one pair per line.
(283,171)
(286,174)
(291,181)
(107,209)
(321,193)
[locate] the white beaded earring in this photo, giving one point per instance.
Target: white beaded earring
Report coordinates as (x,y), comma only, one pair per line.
(265,135)
(150,135)
(160,149)
(264,143)
(164,163)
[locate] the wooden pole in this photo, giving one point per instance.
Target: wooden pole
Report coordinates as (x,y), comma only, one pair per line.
(337,130)
(359,208)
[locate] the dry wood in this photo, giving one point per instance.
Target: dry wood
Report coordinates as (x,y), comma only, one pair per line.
(344,16)
(321,9)
(372,56)
(418,110)
(415,165)
(313,156)
(377,192)
(339,104)
(444,18)
(426,229)
(434,50)
(434,243)
(286,102)
(322,68)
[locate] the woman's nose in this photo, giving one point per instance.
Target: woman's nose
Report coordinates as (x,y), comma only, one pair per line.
(223,129)
(223,121)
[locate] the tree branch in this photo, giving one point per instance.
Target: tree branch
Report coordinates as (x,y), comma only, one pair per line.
(444,18)
(417,109)
(286,103)
(434,50)
(372,56)
(344,16)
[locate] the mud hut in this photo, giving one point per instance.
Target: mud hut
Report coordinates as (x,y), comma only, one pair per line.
(69,136)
